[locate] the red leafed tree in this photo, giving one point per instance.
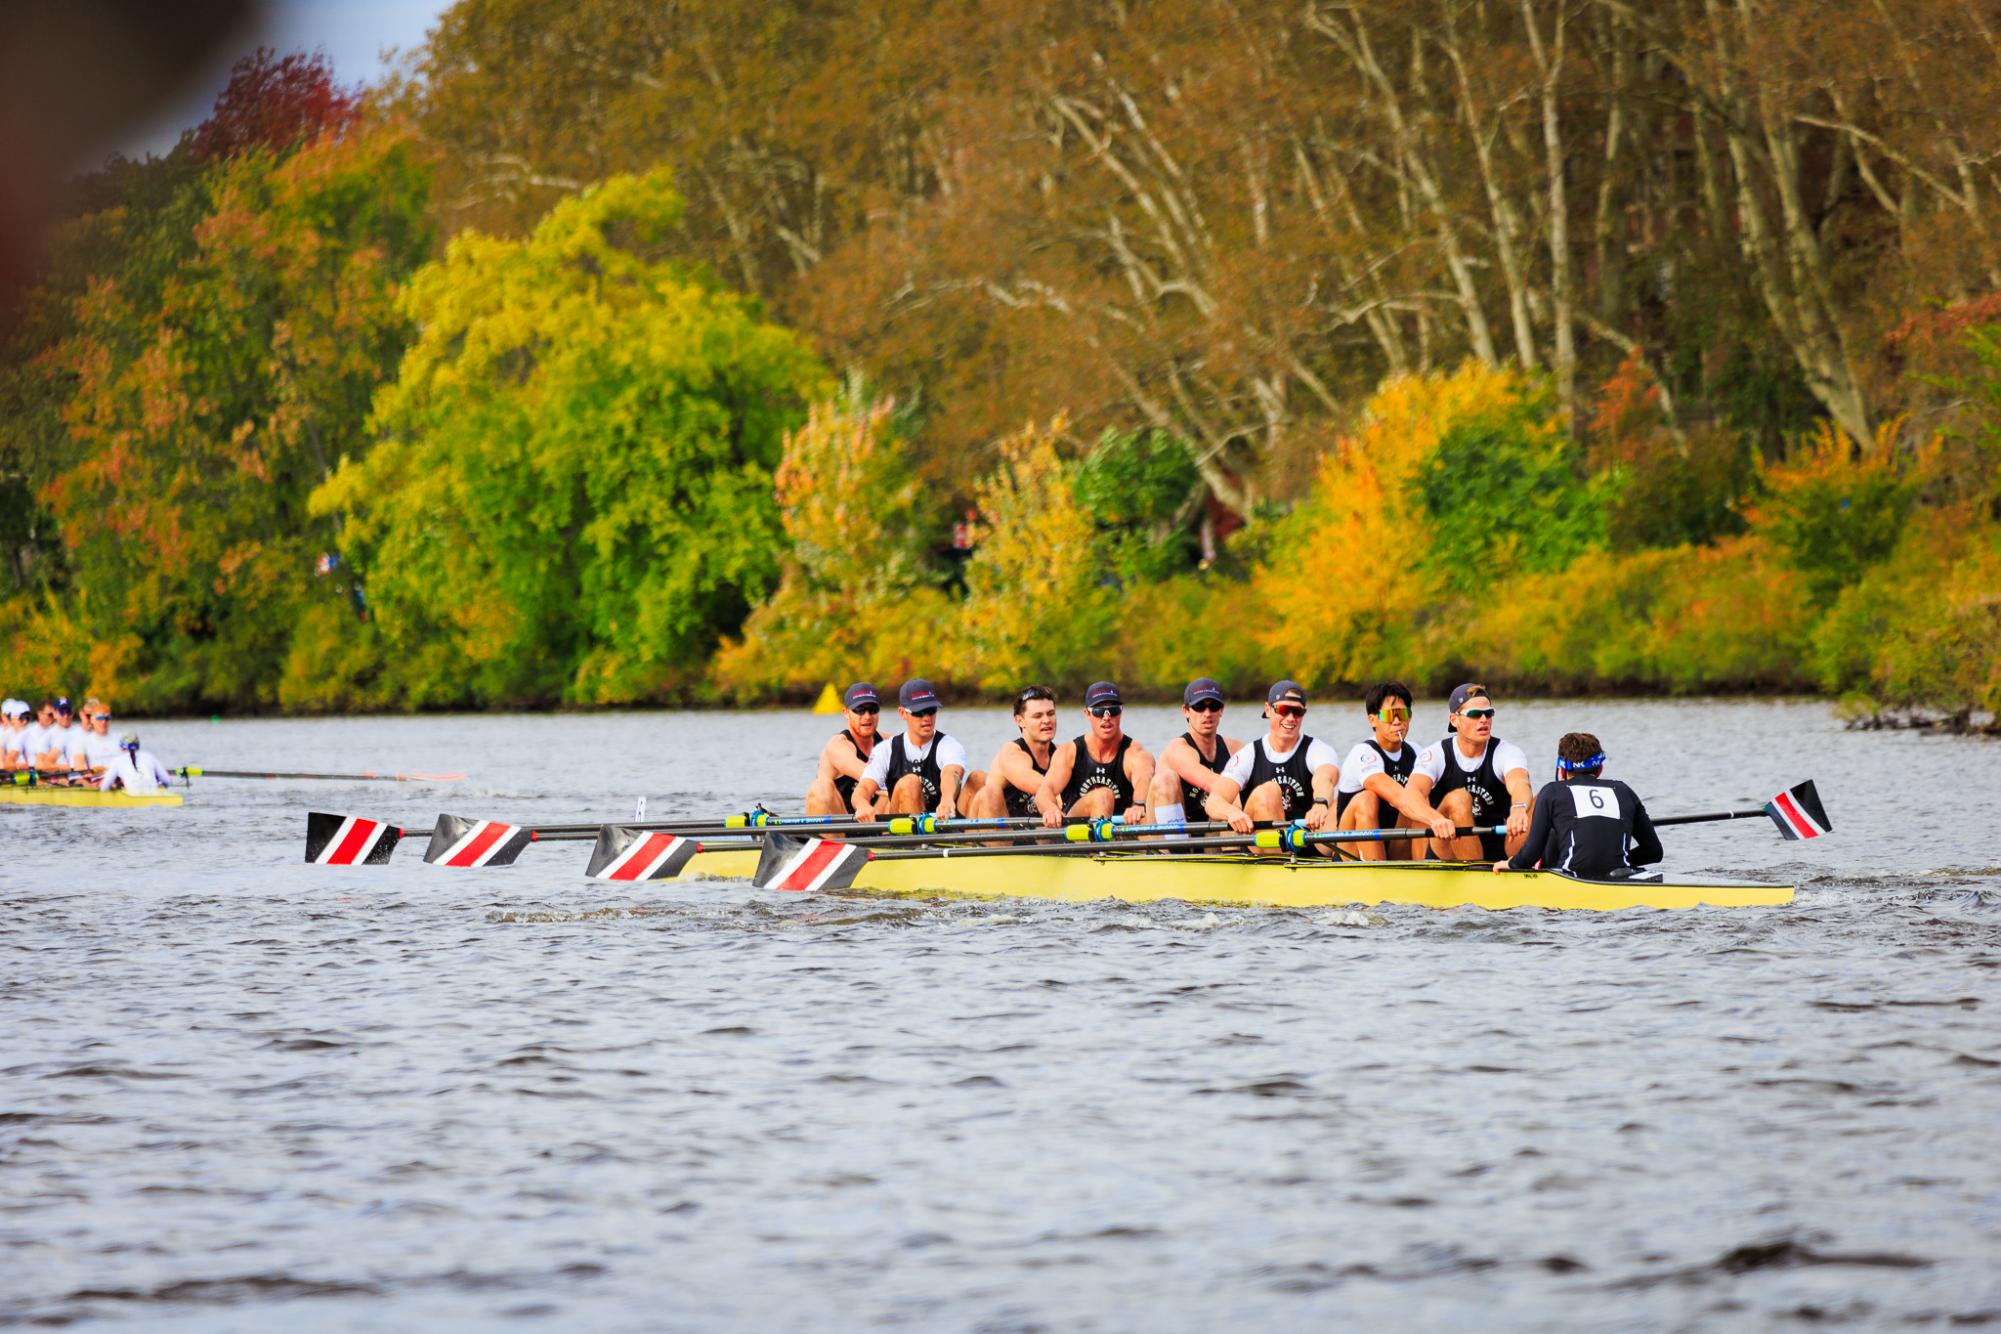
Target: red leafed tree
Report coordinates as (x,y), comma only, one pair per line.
(277,104)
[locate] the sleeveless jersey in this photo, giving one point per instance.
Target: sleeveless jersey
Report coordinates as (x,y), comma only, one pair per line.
(1214,766)
(1399,771)
(844,784)
(1088,775)
(1490,794)
(928,772)
(1294,777)
(1021,805)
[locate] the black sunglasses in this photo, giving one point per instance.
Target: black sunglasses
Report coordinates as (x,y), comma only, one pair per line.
(931,712)
(865,708)
(1106,711)
(1206,706)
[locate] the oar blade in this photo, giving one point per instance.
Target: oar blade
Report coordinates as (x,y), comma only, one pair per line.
(1798,813)
(638,854)
(349,840)
(803,865)
(458,841)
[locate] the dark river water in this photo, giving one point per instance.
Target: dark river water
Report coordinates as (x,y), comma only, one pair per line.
(238,1092)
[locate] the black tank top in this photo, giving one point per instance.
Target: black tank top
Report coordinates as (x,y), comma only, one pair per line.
(1088,775)
(1214,766)
(1399,770)
(1021,805)
(1294,777)
(1490,794)
(844,784)
(927,770)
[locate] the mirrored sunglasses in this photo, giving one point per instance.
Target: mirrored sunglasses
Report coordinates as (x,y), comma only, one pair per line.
(1107,711)
(1398,714)
(1288,710)
(1476,714)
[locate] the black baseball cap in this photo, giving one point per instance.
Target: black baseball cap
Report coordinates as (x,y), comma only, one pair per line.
(1199,689)
(1101,693)
(1460,694)
(858,694)
(62,704)
(1286,692)
(917,694)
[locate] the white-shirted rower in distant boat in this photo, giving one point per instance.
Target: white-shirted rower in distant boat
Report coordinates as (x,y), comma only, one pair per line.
(1103,772)
(1585,824)
(846,753)
(95,749)
(1283,775)
(14,716)
(1475,778)
(922,770)
(1013,788)
(1373,791)
(1192,763)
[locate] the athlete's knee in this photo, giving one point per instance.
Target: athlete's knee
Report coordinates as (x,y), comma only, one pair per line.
(1165,790)
(1458,805)
(1266,802)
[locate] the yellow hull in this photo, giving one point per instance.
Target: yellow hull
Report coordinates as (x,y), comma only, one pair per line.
(83,796)
(1258,882)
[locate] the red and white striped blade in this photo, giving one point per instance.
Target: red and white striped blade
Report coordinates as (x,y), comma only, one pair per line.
(457,841)
(349,840)
(1798,812)
(804,864)
(639,854)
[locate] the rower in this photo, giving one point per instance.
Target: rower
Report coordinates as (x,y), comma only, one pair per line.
(1282,776)
(1192,762)
(14,716)
(846,753)
(1014,780)
(1471,777)
(49,738)
(922,770)
(1102,773)
(134,769)
(1372,793)
(96,749)
(1585,824)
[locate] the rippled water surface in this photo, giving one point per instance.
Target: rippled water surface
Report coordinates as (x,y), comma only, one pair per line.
(237,1090)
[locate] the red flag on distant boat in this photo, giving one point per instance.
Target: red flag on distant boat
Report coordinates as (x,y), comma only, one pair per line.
(348,840)
(457,841)
(1798,813)
(802,864)
(638,854)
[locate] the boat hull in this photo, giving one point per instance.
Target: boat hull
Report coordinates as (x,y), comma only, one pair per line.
(1259,882)
(84,796)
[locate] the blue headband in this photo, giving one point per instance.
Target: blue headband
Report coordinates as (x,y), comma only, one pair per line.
(1575,766)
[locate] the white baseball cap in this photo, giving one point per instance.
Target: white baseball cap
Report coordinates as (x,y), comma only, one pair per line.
(16,708)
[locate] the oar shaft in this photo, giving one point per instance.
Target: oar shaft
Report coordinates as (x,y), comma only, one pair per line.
(1268,839)
(1711,816)
(752,825)
(198,771)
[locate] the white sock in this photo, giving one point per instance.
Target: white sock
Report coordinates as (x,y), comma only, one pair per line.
(1170,815)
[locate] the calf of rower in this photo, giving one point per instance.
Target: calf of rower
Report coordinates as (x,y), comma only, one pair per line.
(1193,762)
(1373,791)
(846,754)
(920,771)
(1102,773)
(1472,777)
(1282,776)
(1013,788)
(1585,824)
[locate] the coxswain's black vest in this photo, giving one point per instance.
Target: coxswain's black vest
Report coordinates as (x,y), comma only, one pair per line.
(1294,777)
(1021,805)
(1490,794)
(1088,775)
(1400,770)
(927,770)
(1214,766)
(844,784)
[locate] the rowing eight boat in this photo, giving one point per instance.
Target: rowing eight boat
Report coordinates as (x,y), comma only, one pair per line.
(1150,877)
(83,796)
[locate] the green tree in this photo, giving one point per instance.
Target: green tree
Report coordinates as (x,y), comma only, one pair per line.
(572,494)
(1142,491)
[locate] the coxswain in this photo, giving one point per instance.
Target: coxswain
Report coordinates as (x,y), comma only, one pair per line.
(921,770)
(1474,778)
(134,769)
(1585,824)
(1014,780)
(95,749)
(1102,773)
(846,753)
(1373,792)
(1192,764)
(1283,775)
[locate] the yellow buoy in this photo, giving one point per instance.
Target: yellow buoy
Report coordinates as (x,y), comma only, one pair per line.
(829,701)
